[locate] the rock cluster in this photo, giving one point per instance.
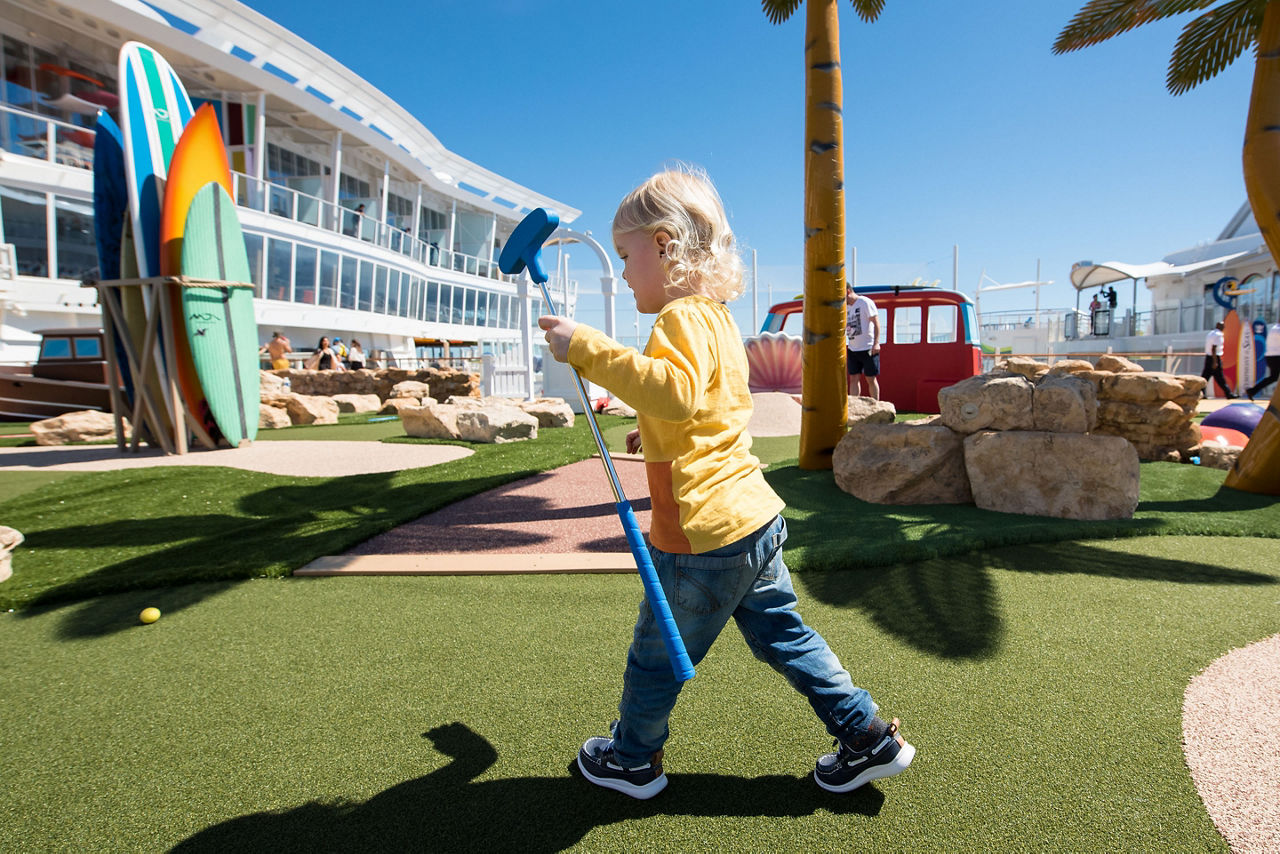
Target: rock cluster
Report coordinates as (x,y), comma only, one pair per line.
(1027,438)
(475,419)
(414,396)
(439,383)
(1153,410)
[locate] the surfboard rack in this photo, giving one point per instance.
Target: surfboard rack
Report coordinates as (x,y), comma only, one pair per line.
(168,420)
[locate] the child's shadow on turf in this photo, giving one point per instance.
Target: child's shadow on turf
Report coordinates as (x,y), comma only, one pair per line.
(447,811)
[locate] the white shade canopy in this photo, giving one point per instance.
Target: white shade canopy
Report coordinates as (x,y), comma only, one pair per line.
(1088,275)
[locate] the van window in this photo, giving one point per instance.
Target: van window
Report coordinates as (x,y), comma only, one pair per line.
(942,324)
(906,325)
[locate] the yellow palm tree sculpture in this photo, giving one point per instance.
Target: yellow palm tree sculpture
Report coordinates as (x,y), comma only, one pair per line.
(824,394)
(1207,45)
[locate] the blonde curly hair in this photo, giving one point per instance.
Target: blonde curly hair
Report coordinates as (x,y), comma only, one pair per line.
(701,255)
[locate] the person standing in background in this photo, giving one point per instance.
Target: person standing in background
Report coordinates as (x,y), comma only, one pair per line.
(862,342)
(1212,371)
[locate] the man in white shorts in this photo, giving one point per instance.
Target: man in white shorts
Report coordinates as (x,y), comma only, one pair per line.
(862,342)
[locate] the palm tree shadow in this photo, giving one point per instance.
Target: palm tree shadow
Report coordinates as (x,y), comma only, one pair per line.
(949,607)
(447,811)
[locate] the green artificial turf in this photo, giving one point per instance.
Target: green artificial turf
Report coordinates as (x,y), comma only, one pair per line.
(100,532)
(1041,684)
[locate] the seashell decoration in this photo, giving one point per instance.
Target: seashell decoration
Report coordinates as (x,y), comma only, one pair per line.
(776,363)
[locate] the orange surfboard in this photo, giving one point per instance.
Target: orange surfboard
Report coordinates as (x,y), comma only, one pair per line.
(198,159)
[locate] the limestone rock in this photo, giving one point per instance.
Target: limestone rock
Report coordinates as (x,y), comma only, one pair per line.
(550,411)
(84,426)
(439,421)
(1064,403)
(397,405)
(410,388)
(1144,387)
(902,464)
(1024,366)
(357,402)
(311,409)
(272,417)
(496,424)
(616,406)
(465,402)
(271,382)
(1070,366)
(868,410)
(10,539)
(996,401)
(1063,475)
(1118,364)
(1216,456)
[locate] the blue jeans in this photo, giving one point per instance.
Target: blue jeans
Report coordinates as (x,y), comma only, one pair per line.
(749,582)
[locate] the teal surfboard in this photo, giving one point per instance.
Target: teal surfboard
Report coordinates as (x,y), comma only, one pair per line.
(220,325)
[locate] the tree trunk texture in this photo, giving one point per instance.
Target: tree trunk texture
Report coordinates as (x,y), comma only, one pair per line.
(824,395)
(1258,467)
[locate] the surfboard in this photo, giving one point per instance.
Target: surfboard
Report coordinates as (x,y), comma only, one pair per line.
(155,109)
(221,328)
(110,209)
(1231,350)
(198,159)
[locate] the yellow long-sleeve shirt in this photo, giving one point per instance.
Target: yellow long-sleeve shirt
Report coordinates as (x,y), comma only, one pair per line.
(689,390)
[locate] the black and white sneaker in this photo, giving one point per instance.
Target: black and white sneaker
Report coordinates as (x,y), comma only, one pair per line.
(847,769)
(597,764)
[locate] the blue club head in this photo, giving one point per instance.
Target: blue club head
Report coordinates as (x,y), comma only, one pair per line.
(524,247)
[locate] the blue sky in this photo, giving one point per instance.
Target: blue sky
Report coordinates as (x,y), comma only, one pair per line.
(961,126)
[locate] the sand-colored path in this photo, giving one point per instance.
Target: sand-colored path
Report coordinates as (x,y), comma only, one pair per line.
(299,459)
(1231,737)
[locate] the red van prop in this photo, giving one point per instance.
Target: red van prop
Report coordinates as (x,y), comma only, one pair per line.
(928,341)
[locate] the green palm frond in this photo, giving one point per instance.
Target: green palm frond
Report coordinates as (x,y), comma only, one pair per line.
(1213,41)
(868,10)
(778,11)
(1099,20)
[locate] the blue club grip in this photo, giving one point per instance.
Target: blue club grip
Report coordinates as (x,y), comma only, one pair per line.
(680,663)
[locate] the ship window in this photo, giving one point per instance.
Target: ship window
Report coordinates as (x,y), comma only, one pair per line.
(24,226)
(393,293)
(469,313)
(430,302)
(350,267)
(942,324)
(365,300)
(279,269)
(329,278)
(253,246)
(380,289)
(88,348)
(77,247)
(1272,311)
(906,324)
(55,348)
(304,275)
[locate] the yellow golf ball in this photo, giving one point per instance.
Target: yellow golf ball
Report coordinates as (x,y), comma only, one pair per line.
(149,615)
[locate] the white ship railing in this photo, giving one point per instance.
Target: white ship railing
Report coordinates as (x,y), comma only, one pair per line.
(45,138)
(298,206)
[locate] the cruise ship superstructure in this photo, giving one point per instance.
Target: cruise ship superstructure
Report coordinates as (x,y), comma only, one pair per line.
(358,221)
